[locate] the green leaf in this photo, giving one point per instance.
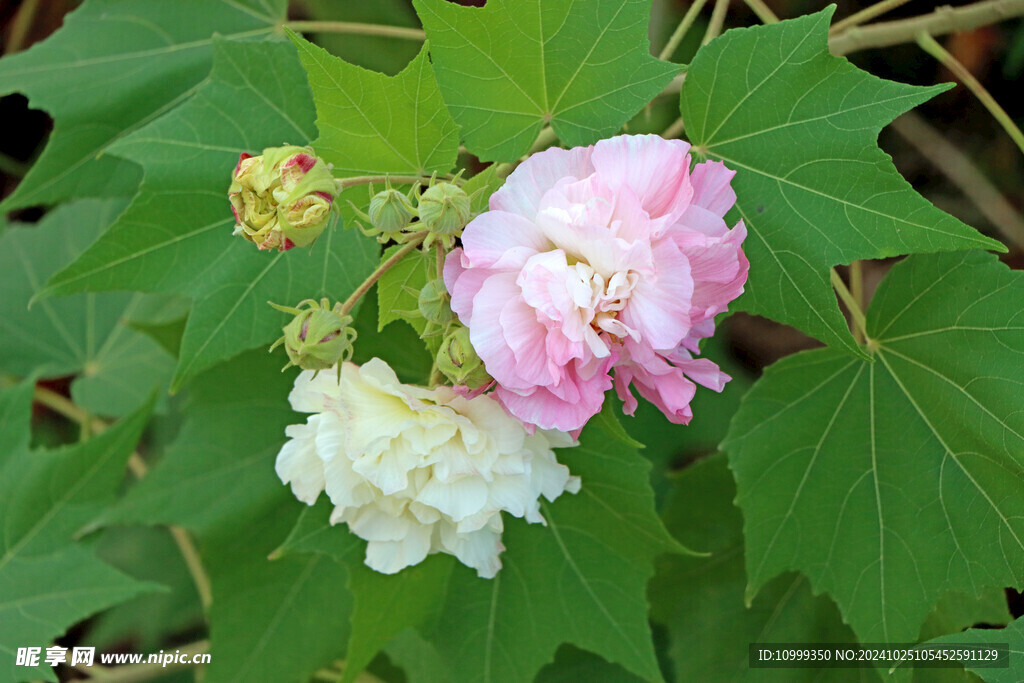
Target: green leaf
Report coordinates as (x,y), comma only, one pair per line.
(176,236)
(580,580)
(374,124)
(112,68)
(700,600)
(386,605)
(47,582)
(83,333)
(891,483)
(272,620)
(800,129)
(218,480)
(510,67)
(1012,634)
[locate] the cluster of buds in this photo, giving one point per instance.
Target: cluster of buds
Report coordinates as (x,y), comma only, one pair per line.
(282,198)
(319,337)
(443,210)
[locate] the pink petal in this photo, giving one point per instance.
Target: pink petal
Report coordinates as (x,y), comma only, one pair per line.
(524,188)
(502,240)
(657,170)
(659,307)
(711,187)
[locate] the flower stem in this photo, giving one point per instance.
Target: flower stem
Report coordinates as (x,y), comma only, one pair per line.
(90,425)
(402,32)
(414,241)
(932,47)
(717,21)
(865,15)
(943,20)
(682,29)
(764,12)
(860,328)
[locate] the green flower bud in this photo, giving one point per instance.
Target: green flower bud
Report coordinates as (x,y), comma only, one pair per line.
(433,303)
(282,198)
(318,337)
(457,360)
(445,209)
(391,211)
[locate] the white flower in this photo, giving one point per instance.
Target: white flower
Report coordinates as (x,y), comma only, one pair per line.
(416,471)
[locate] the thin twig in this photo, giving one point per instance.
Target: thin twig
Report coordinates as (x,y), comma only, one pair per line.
(763,11)
(940,22)
(675,130)
(929,45)
(20,26)
(402,32)
(684,26)
(414,241)
(865,15)
(12,166)
(717,21)
(860,327)
(962,172)
(856,275)
(88,424)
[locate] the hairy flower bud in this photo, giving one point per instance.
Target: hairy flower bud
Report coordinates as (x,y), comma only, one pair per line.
(391,211)
(318,337)
(433,303)
(445,208)
(282,198)
(458,361)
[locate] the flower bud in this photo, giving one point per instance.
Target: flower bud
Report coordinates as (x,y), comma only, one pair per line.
(281,198)
(318,337)
(433,303)
(445,209)
(391,211)
(457,360)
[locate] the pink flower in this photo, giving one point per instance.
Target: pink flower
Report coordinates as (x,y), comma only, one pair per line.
(597,259)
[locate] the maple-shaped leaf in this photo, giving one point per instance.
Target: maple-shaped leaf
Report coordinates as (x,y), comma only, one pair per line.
(800,129)
(893,481)
(372,124)
(512,66)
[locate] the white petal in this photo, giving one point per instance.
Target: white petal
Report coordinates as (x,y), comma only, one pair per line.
(299,464)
